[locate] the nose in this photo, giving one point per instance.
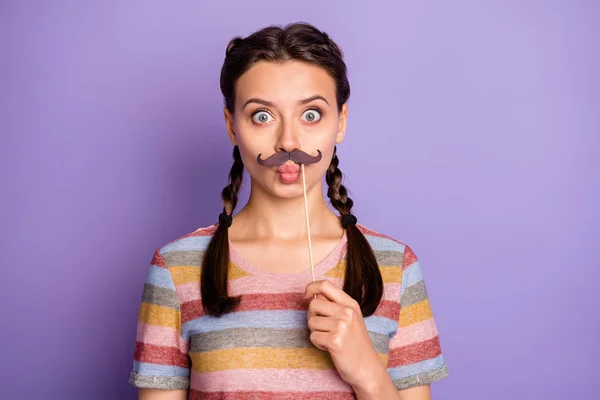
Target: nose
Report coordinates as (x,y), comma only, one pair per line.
(287,138)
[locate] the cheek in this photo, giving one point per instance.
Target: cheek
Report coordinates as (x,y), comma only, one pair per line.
(248,155)
(326,142)
(249,150)
(249,143)
(327,133)
(254,139)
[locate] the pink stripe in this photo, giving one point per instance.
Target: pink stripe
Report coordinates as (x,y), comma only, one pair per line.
(391,291)
(188,292)
(416,333)
(191,291)
(269,380)
(287,395)
(160,336)
(250,284)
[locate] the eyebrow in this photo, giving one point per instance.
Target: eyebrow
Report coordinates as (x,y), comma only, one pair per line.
(271,104)
(312,98)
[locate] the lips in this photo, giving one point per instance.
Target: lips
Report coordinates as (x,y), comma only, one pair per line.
(288,169)
(289,173)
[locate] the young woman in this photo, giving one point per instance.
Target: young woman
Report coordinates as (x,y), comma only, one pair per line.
(231,311)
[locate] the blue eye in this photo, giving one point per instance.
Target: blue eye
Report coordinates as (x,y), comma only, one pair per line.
(261,117)
(312,115)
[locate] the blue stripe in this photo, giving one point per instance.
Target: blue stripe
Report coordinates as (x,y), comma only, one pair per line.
(381,325)
(197,243)
(411,275)
(245,319)
(416,368)
(147,369)
(382,244)
(276,319)
(161,277)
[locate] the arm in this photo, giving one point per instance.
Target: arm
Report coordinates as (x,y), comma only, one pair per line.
(161,365)
(337,326)
(384,388)
(422,392)
(162,394)
(415,355)
(415,358)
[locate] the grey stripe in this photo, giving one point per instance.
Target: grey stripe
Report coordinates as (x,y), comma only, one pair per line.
(381,343)
(265,337)
(159,382)
(389,258)
(160,296)
(422,379)
(414,294)
(192,258)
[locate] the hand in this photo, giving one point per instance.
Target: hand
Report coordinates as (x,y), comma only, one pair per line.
(337,326)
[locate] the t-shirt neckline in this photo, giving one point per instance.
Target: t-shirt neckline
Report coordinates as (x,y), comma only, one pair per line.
(321,267)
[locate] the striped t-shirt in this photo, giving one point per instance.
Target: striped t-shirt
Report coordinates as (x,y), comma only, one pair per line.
(262,350)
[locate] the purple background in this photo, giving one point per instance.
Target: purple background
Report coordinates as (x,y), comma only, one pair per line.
(481,123)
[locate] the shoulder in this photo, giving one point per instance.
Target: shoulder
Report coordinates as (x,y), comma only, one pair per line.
(383,244)
(188,245)
(397,262)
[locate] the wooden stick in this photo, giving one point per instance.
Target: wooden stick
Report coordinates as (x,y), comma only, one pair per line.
(312,266)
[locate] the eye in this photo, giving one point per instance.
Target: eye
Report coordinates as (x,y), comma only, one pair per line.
(312,115)
(261,117)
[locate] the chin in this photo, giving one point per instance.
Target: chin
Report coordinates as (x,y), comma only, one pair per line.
(287,191)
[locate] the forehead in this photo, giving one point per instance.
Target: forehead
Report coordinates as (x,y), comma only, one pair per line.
(285,82)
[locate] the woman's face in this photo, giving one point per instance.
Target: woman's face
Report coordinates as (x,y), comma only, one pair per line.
(285,106)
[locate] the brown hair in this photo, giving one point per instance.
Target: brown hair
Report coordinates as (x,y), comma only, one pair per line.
(303,42)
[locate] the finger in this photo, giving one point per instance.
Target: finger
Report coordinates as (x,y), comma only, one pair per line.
(324,308)
(317,296)
(322,324)
(331,291)
(319,339)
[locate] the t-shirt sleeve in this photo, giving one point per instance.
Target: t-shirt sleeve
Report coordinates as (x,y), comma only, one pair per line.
(415,355)
(161,358)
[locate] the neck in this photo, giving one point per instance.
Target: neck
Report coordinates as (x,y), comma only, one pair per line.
(268,216)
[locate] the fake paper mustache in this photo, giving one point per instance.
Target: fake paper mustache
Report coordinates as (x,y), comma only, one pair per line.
(281,157)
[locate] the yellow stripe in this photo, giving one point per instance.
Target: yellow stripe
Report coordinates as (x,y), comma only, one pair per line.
(234,272)
(415,313)
(391,274)
(388,274)
(263,357)
(158,315)
(338,271)
(184,274)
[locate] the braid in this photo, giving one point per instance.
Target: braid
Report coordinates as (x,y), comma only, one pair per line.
(363,280)
(337,192)
(236,174)
(213,283)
